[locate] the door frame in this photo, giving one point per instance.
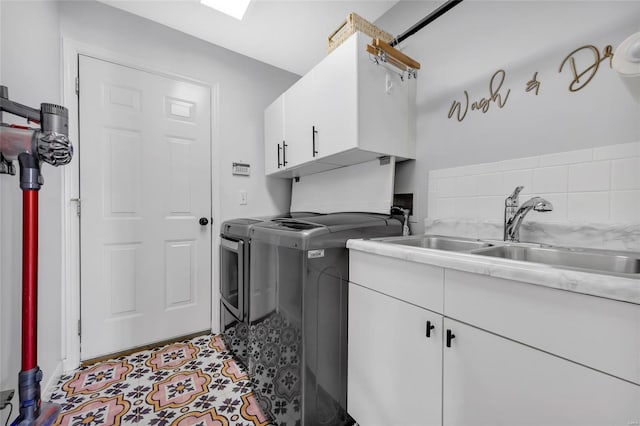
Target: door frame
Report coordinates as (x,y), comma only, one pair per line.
(70,244)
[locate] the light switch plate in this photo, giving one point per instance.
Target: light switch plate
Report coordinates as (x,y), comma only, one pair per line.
(241,169)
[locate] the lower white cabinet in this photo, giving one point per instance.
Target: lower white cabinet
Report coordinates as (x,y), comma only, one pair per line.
(493,381)
(464,374)
(394,374)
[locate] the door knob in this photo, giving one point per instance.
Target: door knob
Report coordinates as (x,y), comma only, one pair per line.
(204,221)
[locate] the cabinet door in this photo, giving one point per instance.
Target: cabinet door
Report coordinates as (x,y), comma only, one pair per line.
(394,370)
(274,136)
(298,122)
(596,332)
(336,100)
(492,381)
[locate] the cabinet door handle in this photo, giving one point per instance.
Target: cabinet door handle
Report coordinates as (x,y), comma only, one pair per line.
(279,163)
(284,153)
(313,138)
(450,337)
(429,328)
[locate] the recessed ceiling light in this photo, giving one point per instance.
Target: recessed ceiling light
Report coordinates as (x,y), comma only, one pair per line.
(235,8)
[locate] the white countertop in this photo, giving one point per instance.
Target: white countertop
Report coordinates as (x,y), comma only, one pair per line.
(601,285)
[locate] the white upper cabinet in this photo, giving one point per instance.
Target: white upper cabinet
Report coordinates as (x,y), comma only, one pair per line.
(335,111)
(298,121)
(346,110)
(274,136)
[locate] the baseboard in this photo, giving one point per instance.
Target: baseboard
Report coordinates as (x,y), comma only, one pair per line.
(69,365)
(52,380)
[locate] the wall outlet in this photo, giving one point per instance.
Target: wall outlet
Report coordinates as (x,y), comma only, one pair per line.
(5,397)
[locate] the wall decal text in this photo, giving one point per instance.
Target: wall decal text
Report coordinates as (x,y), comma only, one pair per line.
(533,84)
(495,85)
(581,76)
(589,71)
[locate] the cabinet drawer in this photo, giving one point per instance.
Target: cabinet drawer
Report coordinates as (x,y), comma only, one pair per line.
(600,333)
(412,282)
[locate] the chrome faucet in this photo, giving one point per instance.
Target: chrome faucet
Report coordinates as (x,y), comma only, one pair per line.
(514,214)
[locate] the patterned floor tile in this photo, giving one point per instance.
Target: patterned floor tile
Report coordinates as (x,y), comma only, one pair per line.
(192,382)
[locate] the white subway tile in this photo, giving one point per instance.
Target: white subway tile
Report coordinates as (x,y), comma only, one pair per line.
(588,207)
(466,186)
(611,152)
(569,157)
(431,186)
(452,172)
(489,208)
(465,207)
(517,178)
(432,203)
(519,163)
(446,187)
(490,184)
(445,207)
(593,176)
(551,179)
(435,174)
(590,185)
(442,173)
(625,206)
(481,168)
(559,212)
(625,173)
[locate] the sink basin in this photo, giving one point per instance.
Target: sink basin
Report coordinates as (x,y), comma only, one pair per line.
(440,243)
(592,260)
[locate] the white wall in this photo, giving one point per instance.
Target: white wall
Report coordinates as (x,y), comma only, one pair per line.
(31,36)
(461,51)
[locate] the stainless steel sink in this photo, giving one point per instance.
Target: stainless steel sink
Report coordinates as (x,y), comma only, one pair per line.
(439,242)
(587,259)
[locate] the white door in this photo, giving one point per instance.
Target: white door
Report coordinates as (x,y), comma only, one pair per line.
(145,181)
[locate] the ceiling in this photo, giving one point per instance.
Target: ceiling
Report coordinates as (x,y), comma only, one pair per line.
(288,34)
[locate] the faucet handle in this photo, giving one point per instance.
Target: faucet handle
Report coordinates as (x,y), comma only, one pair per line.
(512,200)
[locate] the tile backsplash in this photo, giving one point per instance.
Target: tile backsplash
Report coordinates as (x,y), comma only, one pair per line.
(597,185)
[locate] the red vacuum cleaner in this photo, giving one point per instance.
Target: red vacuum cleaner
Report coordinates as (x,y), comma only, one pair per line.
(31,146)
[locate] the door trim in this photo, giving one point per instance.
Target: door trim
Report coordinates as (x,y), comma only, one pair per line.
(70,275)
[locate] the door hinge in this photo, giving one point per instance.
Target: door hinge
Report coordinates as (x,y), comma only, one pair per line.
(78,202)
(79,328)
(77,85)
